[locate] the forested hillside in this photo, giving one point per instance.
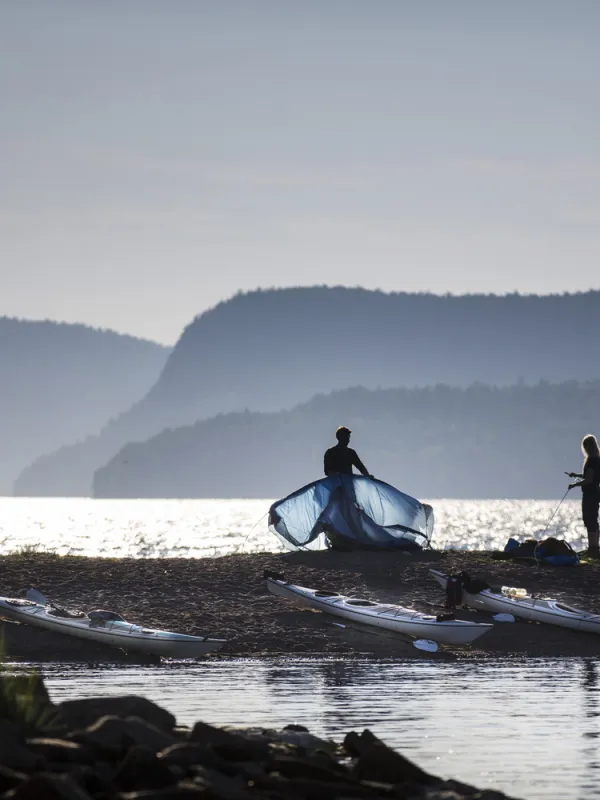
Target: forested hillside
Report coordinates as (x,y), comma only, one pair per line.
(479,442)
(269,350)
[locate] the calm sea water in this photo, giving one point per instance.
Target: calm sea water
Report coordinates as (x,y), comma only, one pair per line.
(195,528)
(529,729)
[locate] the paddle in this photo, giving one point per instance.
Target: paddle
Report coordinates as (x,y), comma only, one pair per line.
(503,618)
(426,644)
(37,597)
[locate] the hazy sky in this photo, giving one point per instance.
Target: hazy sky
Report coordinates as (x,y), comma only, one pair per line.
(155,157)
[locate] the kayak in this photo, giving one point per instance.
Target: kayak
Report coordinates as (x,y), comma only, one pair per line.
(381,615)
(107,627)
(546,610)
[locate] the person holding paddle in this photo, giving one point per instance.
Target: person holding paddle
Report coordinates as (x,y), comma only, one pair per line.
(590,490)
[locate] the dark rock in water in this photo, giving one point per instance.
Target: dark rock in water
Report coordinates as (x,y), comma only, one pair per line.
(229,746)
(304,740)
(184,791)
(242,750)
(81,713)
(10,730)
(324,790)
(114,735)
(455,790)
(378,762)
(106,737)
(15,755)
(205,734)
(141,769)
(97,780)
(209,760)
(228,787)
(46,786)
(295,727)
(185,755)
(10,778)
(253,772)
(325,769)
(60,750)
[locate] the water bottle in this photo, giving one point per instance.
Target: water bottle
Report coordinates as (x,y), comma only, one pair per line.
(513,591)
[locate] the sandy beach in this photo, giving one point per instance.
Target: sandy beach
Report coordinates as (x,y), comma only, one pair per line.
(227,597)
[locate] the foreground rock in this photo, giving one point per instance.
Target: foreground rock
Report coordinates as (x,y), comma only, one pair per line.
(128,748)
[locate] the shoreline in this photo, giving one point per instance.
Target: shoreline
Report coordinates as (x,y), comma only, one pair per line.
(226,597)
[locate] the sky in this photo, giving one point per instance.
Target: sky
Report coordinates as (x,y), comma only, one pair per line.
(157,157)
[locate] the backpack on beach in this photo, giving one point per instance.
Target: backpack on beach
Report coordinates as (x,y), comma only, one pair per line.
(556,552)
(551,550)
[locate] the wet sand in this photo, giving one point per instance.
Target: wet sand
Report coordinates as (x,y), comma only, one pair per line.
(227,597)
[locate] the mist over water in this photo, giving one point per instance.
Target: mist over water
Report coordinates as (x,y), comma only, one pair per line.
(201,528)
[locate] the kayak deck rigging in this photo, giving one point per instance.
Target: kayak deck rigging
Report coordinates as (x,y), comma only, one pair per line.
(444,629)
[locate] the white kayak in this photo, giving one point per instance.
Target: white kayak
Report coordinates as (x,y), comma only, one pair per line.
(381,615)
(109,628)
(540,610)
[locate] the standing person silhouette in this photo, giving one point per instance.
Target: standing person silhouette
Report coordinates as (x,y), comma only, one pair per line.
(341,458)
(590,492)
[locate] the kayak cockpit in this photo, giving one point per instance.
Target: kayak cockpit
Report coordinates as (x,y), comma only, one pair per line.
(101,616)
(569,610)
(55,611)
(362,603)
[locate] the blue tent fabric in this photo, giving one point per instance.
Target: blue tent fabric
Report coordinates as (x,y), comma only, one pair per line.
(353,510)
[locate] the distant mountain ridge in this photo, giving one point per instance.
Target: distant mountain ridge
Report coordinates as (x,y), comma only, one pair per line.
(268,350)
(61,382)
(479,442)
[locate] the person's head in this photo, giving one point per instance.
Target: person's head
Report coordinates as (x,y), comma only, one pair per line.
(589,446)
(343,434)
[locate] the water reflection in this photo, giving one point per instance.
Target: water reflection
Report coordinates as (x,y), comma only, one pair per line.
(527,728)
(338,679)
(591,709)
